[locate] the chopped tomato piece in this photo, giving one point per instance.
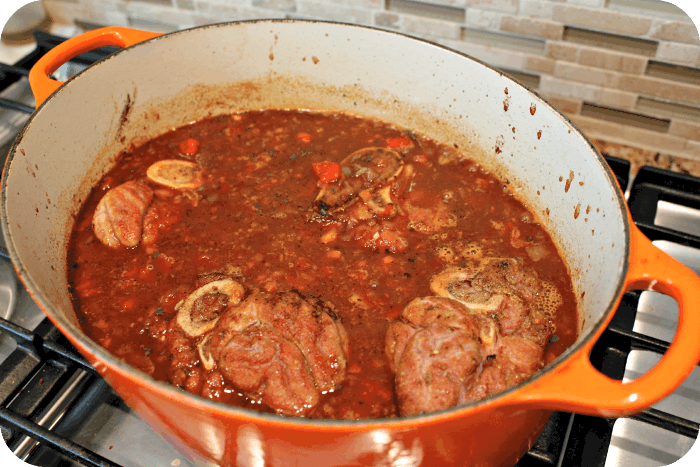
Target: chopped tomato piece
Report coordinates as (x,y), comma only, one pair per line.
(399,142)
(387,211)
(334,254)
(304,137)
(189,147)
(327,172)
(127,304)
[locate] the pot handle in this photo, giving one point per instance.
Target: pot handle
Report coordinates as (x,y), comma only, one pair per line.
(576,386)
(39,76)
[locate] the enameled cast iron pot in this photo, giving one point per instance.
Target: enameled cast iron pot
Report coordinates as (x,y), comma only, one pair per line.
(160,82)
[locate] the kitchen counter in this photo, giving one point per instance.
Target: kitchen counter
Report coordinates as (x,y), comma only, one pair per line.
(11,52)
(640,157)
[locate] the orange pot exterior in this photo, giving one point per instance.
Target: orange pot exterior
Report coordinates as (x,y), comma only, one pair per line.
(494,433)
(487,435)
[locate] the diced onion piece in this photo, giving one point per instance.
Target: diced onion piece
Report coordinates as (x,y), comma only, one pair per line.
(173,173)
(536,252)
(189,147)
(330,235)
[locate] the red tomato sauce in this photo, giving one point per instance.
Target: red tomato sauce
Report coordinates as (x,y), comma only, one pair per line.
(257,218)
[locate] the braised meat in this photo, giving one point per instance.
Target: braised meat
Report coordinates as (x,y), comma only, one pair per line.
(361,174)
(119,215)
(284,348)
(484,333)
(435,351)
(125,215)
(504,289)
(515,360)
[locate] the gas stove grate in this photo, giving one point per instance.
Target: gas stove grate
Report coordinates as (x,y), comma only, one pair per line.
(47,390)
(41,383)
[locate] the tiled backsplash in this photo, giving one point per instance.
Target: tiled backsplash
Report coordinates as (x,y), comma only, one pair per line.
(627,71)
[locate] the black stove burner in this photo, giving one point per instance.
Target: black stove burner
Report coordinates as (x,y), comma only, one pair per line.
(33,379)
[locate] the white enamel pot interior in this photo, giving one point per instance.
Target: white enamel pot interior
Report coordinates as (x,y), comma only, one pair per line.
(169,81)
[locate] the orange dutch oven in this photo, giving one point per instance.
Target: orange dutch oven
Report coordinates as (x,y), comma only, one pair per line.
(158,82)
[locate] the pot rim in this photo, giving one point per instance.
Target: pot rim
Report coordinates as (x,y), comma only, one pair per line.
(228,411)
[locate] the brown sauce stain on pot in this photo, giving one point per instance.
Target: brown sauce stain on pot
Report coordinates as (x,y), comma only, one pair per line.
(588,209)
(561,178)
(539,134)
(125,114)
(315,60)
(272,57)
(533,109)
(568,182)
(577,210)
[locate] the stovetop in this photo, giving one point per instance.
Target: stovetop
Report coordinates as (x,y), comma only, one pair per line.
(55,410)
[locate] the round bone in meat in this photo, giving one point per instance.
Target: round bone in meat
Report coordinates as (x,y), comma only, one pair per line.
(365,169)
(173,173)
(205,354)
(232,289)
(454,283)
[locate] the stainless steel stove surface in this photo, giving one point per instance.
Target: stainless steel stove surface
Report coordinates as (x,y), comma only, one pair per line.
(72,417)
